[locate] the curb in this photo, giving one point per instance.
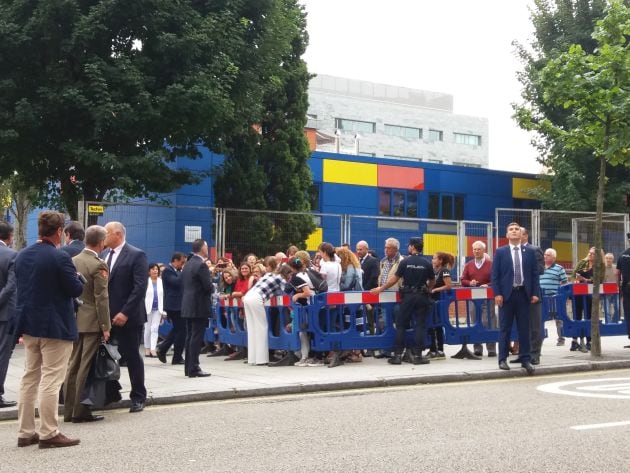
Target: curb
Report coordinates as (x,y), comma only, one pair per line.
(12,414)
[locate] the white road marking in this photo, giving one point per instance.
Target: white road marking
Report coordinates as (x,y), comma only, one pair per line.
(602,388)
(600,426)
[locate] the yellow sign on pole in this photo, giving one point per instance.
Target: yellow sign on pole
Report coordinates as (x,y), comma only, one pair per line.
(96,209)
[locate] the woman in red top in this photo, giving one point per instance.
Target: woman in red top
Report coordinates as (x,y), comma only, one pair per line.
(243,281)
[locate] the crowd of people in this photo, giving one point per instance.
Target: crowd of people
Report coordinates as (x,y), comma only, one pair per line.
(98,288)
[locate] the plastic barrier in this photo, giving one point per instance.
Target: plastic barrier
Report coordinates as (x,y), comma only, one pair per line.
(230,323)
(578,298)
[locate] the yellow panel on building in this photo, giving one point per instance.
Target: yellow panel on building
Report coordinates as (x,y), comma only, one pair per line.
(347,172)
(564,249)
(521,187)
(314,239)
(434,242)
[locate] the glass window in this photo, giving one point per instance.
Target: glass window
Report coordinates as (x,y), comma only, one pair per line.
(399,204)
(436,135)
(459,207)
(384,202)
(355,125)
(403,131)
(412,204)
(465,139)
(447,207)
(313,197)
(434,205)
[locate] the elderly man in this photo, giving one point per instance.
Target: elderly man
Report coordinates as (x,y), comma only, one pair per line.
(389,265)
(551,279)
(477,273)
(128,270)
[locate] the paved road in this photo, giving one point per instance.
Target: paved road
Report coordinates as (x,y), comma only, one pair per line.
(508,425)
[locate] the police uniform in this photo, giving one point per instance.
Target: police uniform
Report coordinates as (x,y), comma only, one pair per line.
(623,265)
(415,271)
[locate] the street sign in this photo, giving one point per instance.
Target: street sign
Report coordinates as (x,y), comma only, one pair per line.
(96,209)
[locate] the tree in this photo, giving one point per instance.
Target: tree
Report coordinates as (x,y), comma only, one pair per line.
(557,25)
(266,166)
(92,90)
(594,90)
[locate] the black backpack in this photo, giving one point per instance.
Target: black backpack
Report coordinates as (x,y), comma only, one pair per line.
(319,283)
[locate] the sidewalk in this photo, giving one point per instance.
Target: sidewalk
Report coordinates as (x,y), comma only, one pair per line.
(166,384)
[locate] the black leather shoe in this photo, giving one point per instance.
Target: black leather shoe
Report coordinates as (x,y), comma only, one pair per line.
(535,360)
(223,351)
(4,403)
(395,360)
(287,360)
(478,352)
(161,356)
(90,418)
(421,360)
(515,361)
(178,362)
(383,354)
(199,374)
(528,367)
(504,366)
(136,406)
(237,355)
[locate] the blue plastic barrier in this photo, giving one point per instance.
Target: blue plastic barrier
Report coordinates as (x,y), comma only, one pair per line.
(574,296)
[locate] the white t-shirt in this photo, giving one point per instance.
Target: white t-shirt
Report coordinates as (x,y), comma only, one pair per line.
(331,270)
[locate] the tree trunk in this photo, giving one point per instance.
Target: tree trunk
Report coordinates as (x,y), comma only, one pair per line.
(20,209)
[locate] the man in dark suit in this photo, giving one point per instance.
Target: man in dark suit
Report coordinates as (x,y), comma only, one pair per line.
(128,276)
(92,324)
(172,282)
(516,286)
(535,310)
(73,236)
(7,305)
(47,283)
(371,269)
(196,306)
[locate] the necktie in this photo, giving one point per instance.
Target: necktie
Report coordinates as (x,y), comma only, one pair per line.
(518,275)
(109,259)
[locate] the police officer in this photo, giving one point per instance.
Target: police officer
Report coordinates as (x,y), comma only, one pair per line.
(623,271)
(418,279)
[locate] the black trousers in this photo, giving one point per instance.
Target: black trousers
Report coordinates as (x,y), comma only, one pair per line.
(195,329)
(626,306)
(7,343)
(414,306)
(177,337)
(128,340)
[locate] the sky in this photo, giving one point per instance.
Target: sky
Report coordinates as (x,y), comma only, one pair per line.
(460,47)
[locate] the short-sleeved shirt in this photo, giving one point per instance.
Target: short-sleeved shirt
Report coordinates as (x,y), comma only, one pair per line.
(623,266)
(415,270)
(551,279)
(440,274)
(331,270)
(296,285)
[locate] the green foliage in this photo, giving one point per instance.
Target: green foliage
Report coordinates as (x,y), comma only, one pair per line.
(91,90)
(268,170)
(559,25)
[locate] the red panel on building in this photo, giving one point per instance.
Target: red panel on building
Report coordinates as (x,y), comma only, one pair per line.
(400,177)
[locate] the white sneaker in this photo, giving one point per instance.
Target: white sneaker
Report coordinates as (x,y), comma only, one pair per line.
(301,363)
(314,362)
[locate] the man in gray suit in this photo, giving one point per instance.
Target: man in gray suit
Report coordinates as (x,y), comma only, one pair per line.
(7,305)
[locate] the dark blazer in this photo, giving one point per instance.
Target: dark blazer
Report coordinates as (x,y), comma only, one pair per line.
(540,257)
(47,282)
(371,269)
(7,283)
(172,283)
(503,272)
(74,248)
(197,294)
(128,284)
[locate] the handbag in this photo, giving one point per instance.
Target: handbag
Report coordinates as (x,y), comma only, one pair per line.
(106,366)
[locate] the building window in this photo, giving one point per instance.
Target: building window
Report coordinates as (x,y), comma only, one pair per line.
(355,125)
(398,203)
(313,197)
(464,139)
(446,206)
(436,135)
(403,131)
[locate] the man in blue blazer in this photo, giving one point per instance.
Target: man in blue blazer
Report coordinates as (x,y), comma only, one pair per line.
(172,281)
(516,285)
(47,282)
(73,234)
(128,276)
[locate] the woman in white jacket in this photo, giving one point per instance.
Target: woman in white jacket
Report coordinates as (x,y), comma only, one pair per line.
(154,305)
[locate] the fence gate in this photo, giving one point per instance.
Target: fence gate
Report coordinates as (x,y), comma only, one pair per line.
(583,235)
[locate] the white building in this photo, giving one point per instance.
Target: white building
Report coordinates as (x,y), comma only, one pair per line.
(358,117)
